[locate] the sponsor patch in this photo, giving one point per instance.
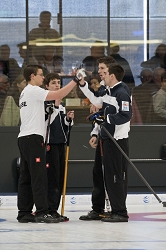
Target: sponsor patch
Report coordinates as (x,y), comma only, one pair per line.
(37,159)
(125,106)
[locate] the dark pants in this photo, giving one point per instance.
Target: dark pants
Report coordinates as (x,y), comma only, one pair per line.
(55,157)
(98,192)
(32,186)
(115,174)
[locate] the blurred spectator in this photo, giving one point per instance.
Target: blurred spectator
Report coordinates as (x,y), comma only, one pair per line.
(128,77)
(97,49)
(89,63)
(146,76)
(17,87)
(94,83)
(156,84)
(32,60)
(9,112)
(159,99)
(158,60)
(142,93)
(157,109)
(23,54)
(43,33)
(10,65)
(50,61)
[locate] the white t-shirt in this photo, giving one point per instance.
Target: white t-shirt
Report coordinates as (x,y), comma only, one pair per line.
(32,111)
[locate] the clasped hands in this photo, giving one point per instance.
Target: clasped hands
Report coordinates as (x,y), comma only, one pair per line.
(79,76)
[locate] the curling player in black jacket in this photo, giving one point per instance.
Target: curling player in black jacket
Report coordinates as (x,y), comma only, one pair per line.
(60,123)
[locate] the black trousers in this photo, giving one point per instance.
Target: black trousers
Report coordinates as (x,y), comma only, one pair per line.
(98,192)
(115,177)
(116,174)
(32,185)
(55,157)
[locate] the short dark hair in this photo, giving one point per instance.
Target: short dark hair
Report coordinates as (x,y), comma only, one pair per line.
(107,60)
(58,58)
(49,77)
(114,48)
(45,12)
(30,69)
(5,46)
(89,61)
(117,70)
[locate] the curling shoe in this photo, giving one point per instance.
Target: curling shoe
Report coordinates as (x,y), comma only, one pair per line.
(115,218)
(46,218)
(92,215)
(60,217)
(26,218)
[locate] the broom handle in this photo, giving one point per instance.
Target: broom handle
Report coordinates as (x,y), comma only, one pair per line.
(65,172)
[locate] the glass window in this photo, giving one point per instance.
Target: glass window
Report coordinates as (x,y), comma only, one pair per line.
(64,35)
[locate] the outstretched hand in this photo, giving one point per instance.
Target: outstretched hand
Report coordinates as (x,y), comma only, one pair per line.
(79,77)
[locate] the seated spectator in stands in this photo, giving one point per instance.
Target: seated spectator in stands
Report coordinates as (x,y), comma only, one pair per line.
(43,33)
(31,59)
(90,65)
(23,54)
(17,87)
(158,108)
(154,87)
(97,49)
(146,76)
(50,61)
(156,83)
(9,112)
(143,92)
(128,77)
(10,65)
(94,83)
(158,60)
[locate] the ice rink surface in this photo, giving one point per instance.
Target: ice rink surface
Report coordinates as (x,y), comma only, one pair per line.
(146,228)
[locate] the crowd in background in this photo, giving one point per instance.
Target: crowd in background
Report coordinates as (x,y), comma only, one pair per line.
(147,109)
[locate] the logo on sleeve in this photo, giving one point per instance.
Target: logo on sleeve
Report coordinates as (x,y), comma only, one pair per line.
(125,106)
(23,104)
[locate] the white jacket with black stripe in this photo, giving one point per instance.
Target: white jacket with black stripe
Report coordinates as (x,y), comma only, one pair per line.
(116,106)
